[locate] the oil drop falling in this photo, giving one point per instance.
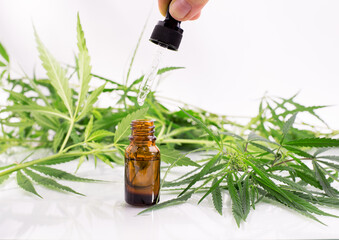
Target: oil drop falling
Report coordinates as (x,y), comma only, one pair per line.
(147,82)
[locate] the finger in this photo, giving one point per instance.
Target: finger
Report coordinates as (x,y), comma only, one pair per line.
(183,10)
(163,5)
(195,17)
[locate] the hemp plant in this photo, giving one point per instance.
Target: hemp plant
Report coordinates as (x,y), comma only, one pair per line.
(272,157)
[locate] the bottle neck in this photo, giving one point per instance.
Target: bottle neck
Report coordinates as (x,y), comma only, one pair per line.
(143,132)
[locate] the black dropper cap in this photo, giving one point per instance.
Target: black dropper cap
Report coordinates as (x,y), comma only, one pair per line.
(167,33)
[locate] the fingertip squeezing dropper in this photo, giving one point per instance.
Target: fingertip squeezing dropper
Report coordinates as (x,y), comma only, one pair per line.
(166,34)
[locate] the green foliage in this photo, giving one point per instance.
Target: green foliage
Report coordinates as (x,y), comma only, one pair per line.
(315,142)
(53,172)
(56,74)
(270,157)
(48,182)
(171,155)
(25,183)
(217,198)
(124,125)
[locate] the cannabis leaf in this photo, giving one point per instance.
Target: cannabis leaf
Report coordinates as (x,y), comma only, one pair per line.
(171,155)
(124,126)
(3,178)
(287,126)
(203,126)
(168,203)
(217,199)
(56,74)
(168,69)
(237,209)
(263,158)
(315,142)
(25,183)
(3,53)
(202,173)
(48,182)
(53,172)
(83,65)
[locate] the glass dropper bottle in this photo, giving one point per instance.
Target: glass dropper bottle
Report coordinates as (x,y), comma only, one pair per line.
(166,34)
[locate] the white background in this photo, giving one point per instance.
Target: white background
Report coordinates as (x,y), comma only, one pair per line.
(233,54)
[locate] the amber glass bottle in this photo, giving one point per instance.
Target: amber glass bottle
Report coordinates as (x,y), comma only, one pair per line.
(142,165)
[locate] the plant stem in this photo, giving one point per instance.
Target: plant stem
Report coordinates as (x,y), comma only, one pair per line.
(67,136)
(41,160)
(189,141)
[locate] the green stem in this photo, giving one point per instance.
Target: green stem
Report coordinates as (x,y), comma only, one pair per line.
(67,136)
(189,141)
(41,160)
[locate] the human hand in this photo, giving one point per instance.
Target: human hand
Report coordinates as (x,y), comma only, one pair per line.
(182,10)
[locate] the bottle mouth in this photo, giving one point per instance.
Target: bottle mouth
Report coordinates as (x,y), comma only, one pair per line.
(142,121)
(142,127)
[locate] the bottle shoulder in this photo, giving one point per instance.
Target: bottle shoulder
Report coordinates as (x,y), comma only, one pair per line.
(136,148)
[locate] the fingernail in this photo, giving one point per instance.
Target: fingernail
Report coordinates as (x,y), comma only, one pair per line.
(180,9)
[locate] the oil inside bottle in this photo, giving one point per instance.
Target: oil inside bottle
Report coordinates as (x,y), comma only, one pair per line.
(142,165)
(147,82)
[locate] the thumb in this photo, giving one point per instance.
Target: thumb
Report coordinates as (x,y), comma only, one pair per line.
(183,10)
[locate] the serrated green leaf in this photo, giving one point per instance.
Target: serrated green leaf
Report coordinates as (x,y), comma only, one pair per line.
(36,108)
(3,53)
(81,161)
(56,74)
(236,204)
(252,137)
(168,69)
(89,128)
(47,121)
(322,180)
(202,173)
(331,165)
(321,150)
(93,97)
(262,147)
(124,126)
(232,135)
(302,204)
(215,185)
(25,183)
(330,157)
(48,182)
(298,151)
(294,185)
(203,126)
(308,178)
(84,67)
(57,173)
(245,198)
(183,180)
(216,197)
(4,178)
(287,126)
(172,202)
(99,134)
(59,136)
(265,178)
(105,159)
(315,142)
(171,155)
